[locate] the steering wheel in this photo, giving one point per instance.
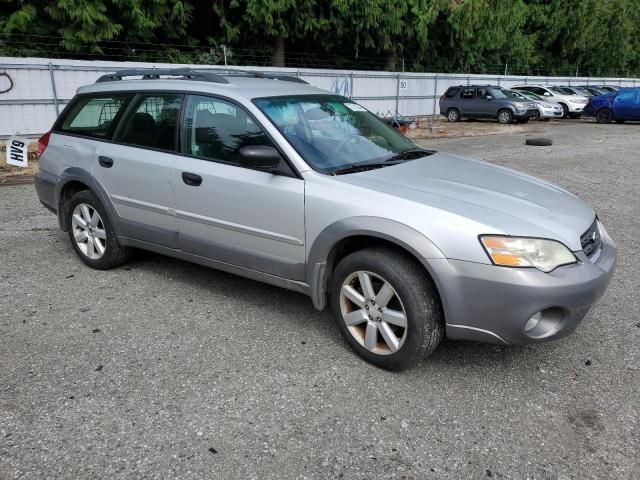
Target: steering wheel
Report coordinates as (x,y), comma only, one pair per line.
(344,141)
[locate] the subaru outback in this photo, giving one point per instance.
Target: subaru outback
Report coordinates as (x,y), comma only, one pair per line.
(281,182)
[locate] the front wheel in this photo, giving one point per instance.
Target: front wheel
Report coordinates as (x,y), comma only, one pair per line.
(92,234)
(565,110)
(386,308)
(505,117)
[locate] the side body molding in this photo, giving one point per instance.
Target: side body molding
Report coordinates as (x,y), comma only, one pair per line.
(317,275)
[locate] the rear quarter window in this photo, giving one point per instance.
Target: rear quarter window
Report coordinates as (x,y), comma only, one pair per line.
(452,92)
(93,116)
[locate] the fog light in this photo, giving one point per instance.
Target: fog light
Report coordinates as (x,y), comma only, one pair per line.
(533,322)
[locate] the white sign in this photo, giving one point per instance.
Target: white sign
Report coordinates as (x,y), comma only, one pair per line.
(404,84)
(17,152)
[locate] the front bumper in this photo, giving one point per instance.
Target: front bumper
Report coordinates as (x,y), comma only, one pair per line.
(576,108)
(493,304)
(551,113)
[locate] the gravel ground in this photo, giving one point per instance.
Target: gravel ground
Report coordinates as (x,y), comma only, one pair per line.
(163,369)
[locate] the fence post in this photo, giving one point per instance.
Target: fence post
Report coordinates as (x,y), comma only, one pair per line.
(435,93)
(53,87)
(351,85)
(397,94)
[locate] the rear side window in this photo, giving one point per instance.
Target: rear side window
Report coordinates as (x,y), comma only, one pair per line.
(94,116)
(452,92)
(153,122)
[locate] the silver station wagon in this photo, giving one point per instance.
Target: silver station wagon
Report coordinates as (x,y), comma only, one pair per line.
(278,181)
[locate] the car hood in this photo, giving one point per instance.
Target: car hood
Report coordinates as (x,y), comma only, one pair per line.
(496,199)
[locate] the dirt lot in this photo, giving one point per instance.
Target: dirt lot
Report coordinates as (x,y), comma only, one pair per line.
(164,369)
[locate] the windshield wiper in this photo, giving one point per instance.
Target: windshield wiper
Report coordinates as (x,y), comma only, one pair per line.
(410,154)
(362,167)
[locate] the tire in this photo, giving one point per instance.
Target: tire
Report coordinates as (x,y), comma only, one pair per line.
(565,110)
(453,115)
(409,293)
(505,116)
(98,231)
(539,142)
(604,115)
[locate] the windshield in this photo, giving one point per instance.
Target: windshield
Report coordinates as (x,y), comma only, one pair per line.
(515,94)
(331,132)
(498,93)
(532,96)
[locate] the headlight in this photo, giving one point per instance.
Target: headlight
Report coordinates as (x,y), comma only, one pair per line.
(545,255)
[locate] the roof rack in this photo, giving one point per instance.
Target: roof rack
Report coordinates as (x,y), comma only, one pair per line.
(154,74)
(215,75)
(257,74)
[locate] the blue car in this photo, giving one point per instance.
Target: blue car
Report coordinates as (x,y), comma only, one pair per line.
(619,106)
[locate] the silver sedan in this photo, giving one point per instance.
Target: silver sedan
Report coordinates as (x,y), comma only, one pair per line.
(546,108)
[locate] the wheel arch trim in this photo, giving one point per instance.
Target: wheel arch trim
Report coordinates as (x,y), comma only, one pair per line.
(75,174)
(407,238)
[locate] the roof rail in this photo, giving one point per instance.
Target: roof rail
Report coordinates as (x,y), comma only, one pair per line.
(256,74)
(154,73)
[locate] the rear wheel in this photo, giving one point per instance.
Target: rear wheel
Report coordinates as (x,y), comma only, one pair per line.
(92,234)
(386,308)
(453,115)
(505,117)
(604,115)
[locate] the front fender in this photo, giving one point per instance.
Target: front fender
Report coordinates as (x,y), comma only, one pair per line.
(317,274)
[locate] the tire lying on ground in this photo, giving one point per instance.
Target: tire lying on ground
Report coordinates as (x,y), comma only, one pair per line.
(539,142)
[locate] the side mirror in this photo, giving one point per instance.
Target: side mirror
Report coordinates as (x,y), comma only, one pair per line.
(547,94)
(489,97)
(260,157)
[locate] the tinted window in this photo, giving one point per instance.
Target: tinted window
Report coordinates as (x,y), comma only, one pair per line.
(468,93)
(153,122)
(452,92)
(217,129)
(94,116)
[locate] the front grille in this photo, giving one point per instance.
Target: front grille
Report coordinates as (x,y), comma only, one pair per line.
(591,240)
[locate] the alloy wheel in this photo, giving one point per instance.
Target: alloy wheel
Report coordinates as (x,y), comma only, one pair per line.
(373,312)
(88,231)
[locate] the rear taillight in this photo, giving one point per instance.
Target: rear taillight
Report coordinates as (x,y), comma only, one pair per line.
(43,141)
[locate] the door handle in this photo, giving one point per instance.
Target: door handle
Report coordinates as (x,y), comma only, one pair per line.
(191,179)
(105,162)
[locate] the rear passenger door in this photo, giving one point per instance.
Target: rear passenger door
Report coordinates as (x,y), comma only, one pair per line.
(232,214)
(468,105)
(136,169)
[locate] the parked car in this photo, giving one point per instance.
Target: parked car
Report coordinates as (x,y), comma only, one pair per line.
(484,101)
(619,106)
(595,91)
(572,105)
(546,108)
(294,186)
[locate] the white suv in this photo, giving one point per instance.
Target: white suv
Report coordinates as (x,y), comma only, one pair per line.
(572,104)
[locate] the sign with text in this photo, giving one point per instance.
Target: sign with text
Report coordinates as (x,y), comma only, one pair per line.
(17,152)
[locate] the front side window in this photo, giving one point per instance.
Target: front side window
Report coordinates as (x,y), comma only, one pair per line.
(331,132)
(94,116)
(217,130)
(154,121)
